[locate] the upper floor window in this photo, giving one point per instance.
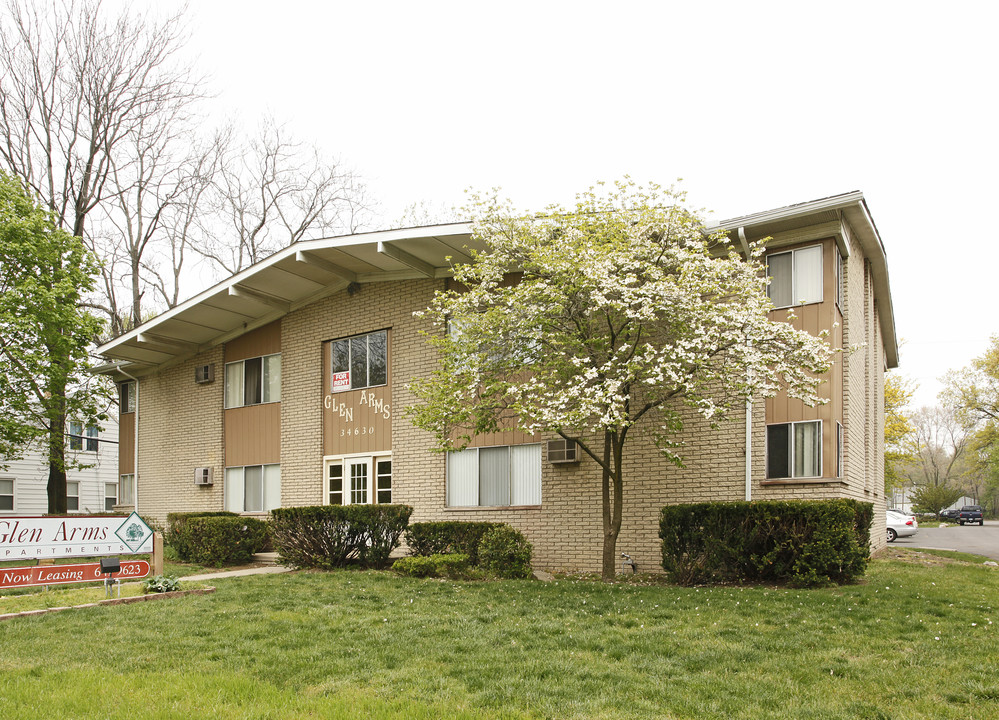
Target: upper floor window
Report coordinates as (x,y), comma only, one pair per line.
(795,276)
(360,361)
(6,495)
(78,434)
(126,397)
(794,450)
(253,381)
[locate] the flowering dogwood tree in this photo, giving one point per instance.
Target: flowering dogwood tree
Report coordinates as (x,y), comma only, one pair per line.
(592,321)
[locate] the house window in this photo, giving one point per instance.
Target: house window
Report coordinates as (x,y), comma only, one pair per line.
(253,381)
(494,476)
(359,480)
(6,495)
(126,489)
(794,450)
(75,435)
(795,276)
(253,488)
(360,361)
(110,496)
(126,397)
(73,496)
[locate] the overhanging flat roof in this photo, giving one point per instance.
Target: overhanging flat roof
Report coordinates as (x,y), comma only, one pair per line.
(287,280)
(308,270)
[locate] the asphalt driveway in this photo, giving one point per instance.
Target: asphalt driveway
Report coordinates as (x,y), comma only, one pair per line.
(980,540)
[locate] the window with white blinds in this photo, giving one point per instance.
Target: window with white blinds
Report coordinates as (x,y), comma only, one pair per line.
(494,476)
(795,276)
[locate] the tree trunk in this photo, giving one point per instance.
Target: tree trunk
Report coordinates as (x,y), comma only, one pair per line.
(56,488)
(612,511)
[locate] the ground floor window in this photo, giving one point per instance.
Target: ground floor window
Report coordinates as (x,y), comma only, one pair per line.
(359,480)
(126,489)
(794,450)
(73,496)
(494,476)
(253,488)
(6,494)
(110,496)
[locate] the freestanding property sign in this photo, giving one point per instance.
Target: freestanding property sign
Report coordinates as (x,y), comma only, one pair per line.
(42,538)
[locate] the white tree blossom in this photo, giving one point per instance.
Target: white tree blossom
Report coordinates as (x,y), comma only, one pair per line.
(589,321)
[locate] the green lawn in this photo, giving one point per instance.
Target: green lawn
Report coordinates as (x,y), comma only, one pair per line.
(912,641)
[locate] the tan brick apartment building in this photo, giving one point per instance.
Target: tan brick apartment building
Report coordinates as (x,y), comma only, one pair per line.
(286,385)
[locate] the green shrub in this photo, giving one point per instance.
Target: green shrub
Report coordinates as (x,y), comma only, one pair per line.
(160,584)
(331,536)
(504,551)
(176,536)
(220,540)
(804,543)
(450,566)
(441,538)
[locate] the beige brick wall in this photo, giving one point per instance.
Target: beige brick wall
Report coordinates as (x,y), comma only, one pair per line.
(181,428)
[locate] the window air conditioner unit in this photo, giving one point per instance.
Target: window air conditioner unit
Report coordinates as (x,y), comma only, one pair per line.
(563,451)
(203,476)
(204,373)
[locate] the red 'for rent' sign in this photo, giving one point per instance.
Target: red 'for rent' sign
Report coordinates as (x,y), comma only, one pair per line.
(59,574)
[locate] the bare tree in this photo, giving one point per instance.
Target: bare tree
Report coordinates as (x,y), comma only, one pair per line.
(940,442)
(92,111)
(272,191)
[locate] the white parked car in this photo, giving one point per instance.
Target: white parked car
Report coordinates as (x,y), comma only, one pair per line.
(900,525)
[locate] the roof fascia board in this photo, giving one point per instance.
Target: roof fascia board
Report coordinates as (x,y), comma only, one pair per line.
(449,230)
(835,202)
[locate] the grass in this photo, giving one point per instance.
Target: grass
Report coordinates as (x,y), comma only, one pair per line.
(915,640)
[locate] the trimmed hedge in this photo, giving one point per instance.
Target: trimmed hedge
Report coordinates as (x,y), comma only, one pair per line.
(443,538)
(176,533)
(331,536)
(223,540)
(802,542)
(450,566)
(504,551)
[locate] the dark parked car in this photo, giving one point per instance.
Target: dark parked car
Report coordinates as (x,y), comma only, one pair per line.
(952,513)
(971,514)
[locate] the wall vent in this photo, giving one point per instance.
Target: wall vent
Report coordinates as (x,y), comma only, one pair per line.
(204,373)
(562,451)
(203,476)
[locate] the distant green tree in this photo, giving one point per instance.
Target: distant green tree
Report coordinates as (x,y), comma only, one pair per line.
(934,498)
(44,335)
(899,430)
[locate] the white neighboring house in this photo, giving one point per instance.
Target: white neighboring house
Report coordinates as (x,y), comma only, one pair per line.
(901,501)
(91,490)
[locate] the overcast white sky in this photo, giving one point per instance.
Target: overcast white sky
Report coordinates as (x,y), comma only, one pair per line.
(755,105)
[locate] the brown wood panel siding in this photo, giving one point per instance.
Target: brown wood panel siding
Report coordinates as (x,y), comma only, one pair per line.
(126,443)
(253,435)
(356,421)
(814,318)
(262,341)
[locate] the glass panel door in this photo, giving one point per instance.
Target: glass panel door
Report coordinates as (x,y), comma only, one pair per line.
(359,472)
